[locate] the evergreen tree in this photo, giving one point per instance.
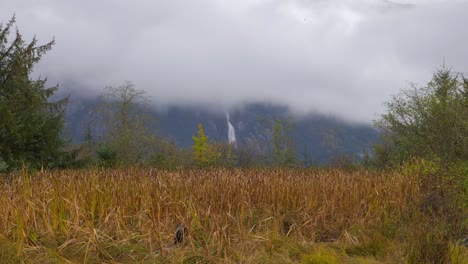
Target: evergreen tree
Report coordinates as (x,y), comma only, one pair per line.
(30,124)
(200,147)
(204,154)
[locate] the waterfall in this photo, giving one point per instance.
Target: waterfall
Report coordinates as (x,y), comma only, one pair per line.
(231,131)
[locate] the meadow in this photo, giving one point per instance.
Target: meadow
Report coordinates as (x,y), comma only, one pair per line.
(130,215)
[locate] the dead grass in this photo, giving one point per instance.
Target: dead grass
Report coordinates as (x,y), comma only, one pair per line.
(233,216)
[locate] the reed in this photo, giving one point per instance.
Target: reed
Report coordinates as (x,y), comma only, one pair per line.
(232,215)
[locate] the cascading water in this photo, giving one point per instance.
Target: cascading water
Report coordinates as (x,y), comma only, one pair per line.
(231,131)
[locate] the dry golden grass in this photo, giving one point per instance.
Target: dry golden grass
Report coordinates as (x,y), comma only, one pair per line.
(232,215)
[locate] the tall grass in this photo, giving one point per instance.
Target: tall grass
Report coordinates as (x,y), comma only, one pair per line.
(232,215)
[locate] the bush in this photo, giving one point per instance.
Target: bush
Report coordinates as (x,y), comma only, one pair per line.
(107,157)
(439,215)
(3,165)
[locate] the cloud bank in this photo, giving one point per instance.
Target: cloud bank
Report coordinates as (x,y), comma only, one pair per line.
(340,57)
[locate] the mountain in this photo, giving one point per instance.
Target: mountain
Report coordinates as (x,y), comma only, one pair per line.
(317,137)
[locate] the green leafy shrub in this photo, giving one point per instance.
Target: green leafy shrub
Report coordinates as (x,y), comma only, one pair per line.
(107,157)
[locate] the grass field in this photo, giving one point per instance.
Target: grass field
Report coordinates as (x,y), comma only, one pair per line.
(232,216)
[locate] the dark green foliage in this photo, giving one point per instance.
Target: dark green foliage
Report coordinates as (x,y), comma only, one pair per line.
(107,157)
(425,133)
(427,122)
(167,156)
(30,125)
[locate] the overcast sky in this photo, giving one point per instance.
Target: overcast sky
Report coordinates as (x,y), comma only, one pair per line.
(341,57)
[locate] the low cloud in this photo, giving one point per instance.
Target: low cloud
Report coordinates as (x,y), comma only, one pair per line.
(341,57)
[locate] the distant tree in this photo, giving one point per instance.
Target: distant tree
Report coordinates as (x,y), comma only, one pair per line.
(211,154)
(86,152)
(282,144)
(341,160)
(167,156)
(426,122)
(30,123)
(88,137)
(307,160)
(248,154)
(124,112)
(224,154)
(201,148)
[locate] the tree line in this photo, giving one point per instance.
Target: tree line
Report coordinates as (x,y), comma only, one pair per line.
(122,133)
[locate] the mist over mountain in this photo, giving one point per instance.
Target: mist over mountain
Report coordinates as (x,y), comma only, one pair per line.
(341,57)
(317,137)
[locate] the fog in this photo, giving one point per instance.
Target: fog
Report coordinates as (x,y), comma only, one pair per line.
(336,57)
